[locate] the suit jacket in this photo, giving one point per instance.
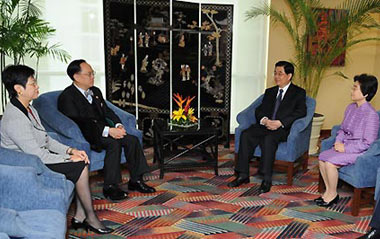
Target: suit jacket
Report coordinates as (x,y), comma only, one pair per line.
(91,118)
(22,132)
(292,107)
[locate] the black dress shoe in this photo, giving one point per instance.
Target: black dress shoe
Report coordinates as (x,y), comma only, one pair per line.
(114,193)
(265,187)
(317,200)
(372,234)
(238,181)
(329,204)
(140,186)
(76,224)
(104,230)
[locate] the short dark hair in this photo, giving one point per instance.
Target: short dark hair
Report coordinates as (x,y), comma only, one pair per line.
(288,67)
(74,67)
(15,75)
(368,85)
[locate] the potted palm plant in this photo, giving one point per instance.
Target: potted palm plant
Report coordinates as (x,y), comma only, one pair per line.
(311,60)
(24,34)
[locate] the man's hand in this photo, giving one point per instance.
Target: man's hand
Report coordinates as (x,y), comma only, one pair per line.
(79,155)
(339,147)
(273,124)
(117,133)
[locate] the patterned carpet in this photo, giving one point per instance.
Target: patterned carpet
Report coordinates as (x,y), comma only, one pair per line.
(197,204)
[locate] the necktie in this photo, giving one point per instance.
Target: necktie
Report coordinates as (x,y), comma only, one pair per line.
(278,102)
(88,93)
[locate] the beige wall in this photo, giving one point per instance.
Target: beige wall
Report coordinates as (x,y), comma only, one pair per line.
(334,92)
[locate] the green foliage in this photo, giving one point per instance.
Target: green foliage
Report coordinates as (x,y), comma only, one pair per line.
(24,34)
(302,22)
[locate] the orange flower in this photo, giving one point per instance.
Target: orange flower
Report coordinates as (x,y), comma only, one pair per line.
(178,99)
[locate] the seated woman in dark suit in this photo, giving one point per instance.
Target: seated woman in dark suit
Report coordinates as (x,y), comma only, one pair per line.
(358,131)
(21,130)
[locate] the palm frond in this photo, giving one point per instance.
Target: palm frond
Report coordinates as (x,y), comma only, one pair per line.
(275,17)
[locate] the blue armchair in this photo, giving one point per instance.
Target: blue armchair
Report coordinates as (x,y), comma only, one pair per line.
(69,133)
(33,199)
(361,175)
(377,188)
(293,153)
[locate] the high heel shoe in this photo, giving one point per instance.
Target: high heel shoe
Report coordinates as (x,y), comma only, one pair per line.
(317,200)
(76,224)
(104,230)
(329,204)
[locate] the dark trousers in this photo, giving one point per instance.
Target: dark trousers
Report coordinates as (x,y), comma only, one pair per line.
(134,154)
(268,141)
(375,221)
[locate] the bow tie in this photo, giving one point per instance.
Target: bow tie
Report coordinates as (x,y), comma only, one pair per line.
(88,92)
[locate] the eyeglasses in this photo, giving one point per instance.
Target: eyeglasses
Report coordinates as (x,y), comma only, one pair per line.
(92,73)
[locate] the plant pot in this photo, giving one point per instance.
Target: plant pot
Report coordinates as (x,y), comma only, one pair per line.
(318,120)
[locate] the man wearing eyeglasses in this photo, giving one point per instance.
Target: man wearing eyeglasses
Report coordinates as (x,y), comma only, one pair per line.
(84,104)
(281,106)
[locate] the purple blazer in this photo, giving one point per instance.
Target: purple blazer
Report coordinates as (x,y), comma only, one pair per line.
(358,131)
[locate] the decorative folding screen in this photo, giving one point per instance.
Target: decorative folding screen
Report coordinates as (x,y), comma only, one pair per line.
(157,48)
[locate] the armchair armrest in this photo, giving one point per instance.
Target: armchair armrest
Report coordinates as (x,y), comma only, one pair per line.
(247,116)
(329,142)
(368,164)
(24,191)
(377,189)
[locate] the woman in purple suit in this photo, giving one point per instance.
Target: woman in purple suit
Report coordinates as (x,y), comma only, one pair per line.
(358,131)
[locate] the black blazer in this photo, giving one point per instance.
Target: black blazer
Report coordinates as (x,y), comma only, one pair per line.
(292,107)
(91,118)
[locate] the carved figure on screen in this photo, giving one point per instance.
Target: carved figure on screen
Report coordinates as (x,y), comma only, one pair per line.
(154,43)
(131,46)
(141,40)
(183,72)
(115,50)
(188,71)
(162,39)
(181,40)
(205,50)
(159,67)
(144,64)
(210,48)
(123,59)
(147,37)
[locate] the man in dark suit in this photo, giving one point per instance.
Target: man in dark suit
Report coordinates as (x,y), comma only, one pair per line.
(102,128)
(374,233)
(281,106)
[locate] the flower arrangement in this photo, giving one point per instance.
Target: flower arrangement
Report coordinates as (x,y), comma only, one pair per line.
(184,115)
